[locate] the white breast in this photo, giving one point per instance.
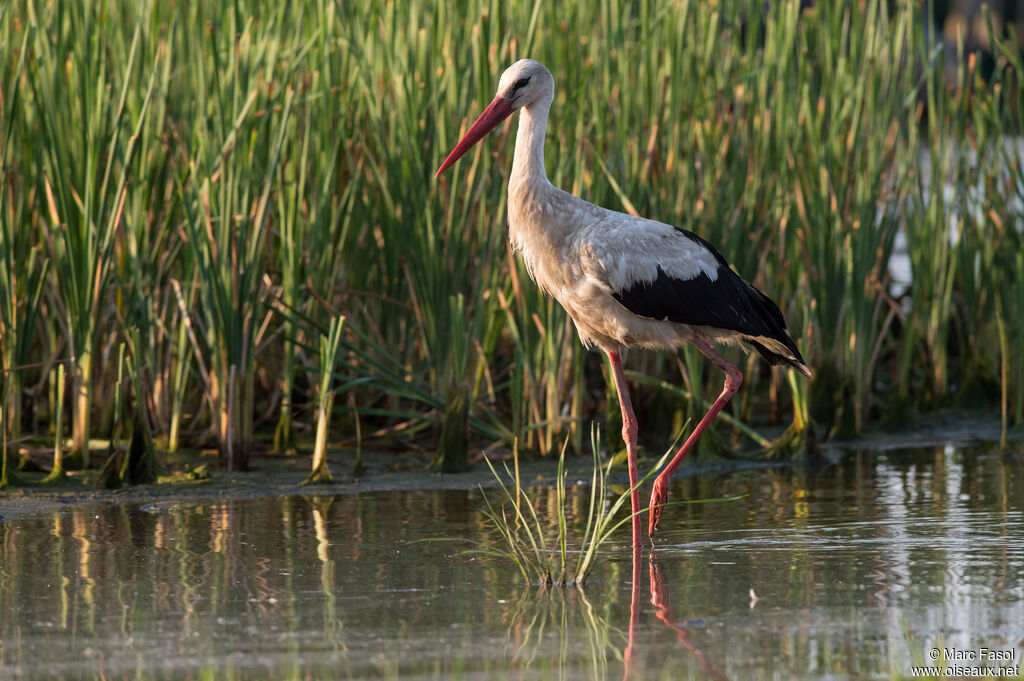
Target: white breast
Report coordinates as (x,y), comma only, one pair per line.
(580,254)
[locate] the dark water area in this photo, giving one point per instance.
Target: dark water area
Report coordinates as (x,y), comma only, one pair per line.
(861,570)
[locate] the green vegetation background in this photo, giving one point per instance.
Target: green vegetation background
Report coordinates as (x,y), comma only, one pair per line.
(191,192)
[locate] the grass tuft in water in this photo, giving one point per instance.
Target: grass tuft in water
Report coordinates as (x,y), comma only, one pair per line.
(544,555)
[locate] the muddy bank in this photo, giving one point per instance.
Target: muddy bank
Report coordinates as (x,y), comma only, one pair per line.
(275,475)
(271,476)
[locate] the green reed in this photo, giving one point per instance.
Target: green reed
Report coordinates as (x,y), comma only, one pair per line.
(1004,194)
(58,474)
(23,263)
(86,111)
(225,179)
(329,346)
(228,204)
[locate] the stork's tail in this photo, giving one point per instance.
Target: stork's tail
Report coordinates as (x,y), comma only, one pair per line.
(779,350)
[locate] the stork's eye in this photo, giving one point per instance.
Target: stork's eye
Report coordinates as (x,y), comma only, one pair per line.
(521,83)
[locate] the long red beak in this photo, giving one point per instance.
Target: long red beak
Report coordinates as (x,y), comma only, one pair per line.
(498,110)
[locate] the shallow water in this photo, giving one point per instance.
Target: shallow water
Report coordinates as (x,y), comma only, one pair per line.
(859,570)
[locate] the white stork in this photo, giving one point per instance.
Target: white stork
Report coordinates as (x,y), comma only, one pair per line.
(624,280)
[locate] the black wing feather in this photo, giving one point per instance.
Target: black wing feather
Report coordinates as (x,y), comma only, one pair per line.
(729,302)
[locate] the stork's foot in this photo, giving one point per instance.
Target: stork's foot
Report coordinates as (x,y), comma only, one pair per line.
(659,497)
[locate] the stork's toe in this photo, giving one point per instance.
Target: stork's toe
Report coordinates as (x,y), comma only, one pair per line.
(659,497)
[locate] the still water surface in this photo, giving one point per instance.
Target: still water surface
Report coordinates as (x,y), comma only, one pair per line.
(859,570)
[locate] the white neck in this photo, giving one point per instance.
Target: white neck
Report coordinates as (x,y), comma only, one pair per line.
(537,223)
(528,164)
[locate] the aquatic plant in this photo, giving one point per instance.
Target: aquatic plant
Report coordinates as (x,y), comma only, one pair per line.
(525,533)
(525,536)
(1003,189)
(543,545)
(23,265)
(88,122)
(329,345)
(57,473)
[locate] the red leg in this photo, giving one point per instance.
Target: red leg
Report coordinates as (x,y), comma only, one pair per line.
(629,432)
(733,379)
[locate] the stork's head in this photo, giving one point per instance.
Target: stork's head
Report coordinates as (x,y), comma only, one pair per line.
(525,83)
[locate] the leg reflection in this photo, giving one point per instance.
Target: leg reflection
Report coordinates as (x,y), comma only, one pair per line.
(634,612)
(659,599)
